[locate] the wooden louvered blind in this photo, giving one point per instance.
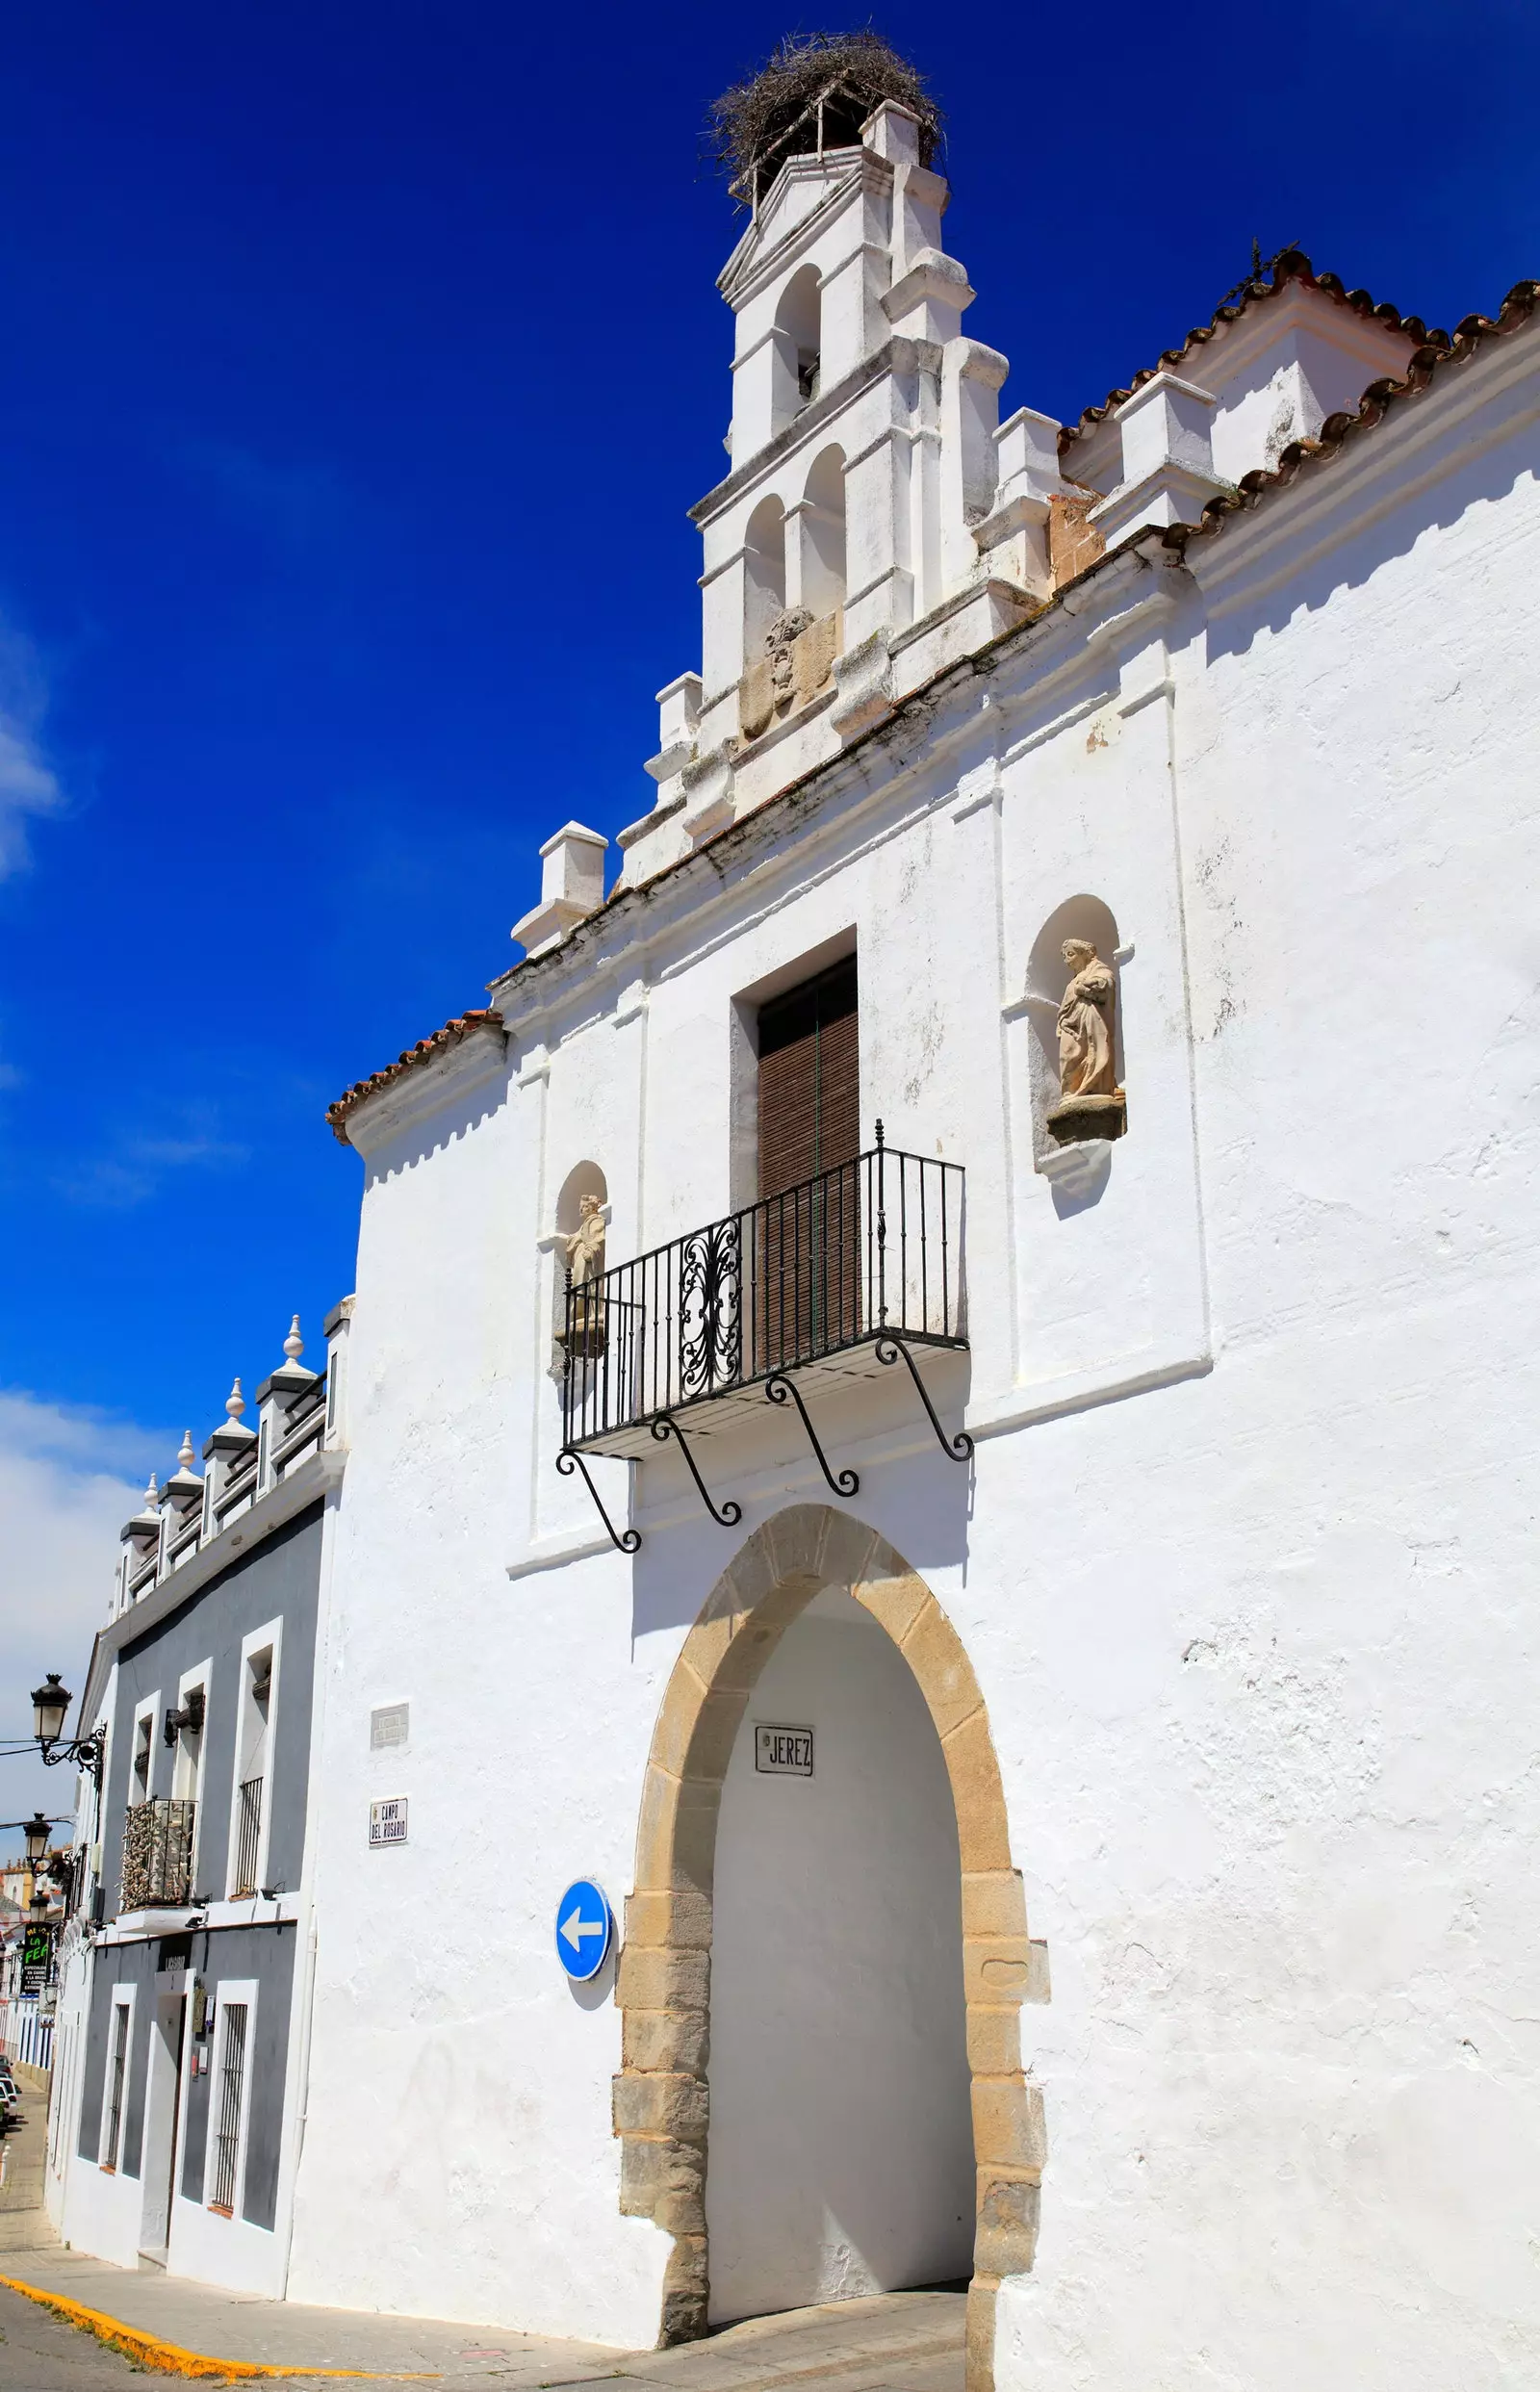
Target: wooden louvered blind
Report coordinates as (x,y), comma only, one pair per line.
(809,1080)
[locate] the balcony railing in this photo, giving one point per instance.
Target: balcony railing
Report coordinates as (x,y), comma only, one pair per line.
(853,1267)
(158,1854)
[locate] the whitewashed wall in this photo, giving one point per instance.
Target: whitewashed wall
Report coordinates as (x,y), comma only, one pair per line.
(1244,1569)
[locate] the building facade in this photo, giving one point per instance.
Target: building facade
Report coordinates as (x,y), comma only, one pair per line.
(994,1259)
(929,1408)
(179,2053)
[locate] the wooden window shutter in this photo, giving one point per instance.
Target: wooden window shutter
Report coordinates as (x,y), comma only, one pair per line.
(809,1080)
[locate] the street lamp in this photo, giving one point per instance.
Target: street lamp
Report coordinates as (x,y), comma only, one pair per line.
(50,1708)
(35,1830)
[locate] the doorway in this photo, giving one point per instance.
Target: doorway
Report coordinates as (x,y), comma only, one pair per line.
(162,2119)
(841,2152)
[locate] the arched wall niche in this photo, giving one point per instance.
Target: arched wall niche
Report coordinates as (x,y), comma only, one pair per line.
(1047,978)
(664,1987)
(764,576)
(823,534)
(583,1179)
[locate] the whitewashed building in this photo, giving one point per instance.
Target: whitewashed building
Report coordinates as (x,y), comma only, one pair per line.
(1018,1585)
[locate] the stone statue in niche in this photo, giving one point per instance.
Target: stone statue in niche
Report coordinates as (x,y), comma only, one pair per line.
(585,1262)
(1091,1103)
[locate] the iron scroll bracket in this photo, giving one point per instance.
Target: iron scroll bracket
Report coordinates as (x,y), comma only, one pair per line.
(567,1461)
(958,1448)
(665,1427)
(778,1387)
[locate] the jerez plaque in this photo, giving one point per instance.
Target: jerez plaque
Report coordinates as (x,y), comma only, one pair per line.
(782,1752)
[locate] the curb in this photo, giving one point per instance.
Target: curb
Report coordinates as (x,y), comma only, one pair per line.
(168,2358)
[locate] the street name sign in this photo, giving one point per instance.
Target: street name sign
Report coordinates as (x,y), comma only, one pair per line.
(584,1926)
(387,1821)
(782,1752)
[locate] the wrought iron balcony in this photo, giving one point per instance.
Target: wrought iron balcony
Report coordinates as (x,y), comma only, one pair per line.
(831,1280)
(158,1854)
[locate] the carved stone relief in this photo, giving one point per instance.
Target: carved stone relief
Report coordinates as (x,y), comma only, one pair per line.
(800,650)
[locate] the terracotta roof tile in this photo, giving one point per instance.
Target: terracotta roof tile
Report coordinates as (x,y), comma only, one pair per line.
(1433,357)
(1290,266)
(426,1050)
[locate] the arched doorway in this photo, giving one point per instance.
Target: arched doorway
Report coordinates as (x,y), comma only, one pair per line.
(661,2096)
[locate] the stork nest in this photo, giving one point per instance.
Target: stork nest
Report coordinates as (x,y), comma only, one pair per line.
(775,112)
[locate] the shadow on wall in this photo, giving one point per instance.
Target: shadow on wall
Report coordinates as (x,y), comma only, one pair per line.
(1349,564)
(926,1504)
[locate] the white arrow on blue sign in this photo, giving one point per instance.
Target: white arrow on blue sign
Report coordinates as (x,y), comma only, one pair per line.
(584,1925)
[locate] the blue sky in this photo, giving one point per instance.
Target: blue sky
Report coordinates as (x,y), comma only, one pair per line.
(359,366)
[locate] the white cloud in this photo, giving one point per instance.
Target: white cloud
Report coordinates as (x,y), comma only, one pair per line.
(135,1165)
(28,784)
(69,1478)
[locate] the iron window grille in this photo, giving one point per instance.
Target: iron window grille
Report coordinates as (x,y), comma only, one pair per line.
(232,2086)
(869,1251)
(115,2100)
(249,1836)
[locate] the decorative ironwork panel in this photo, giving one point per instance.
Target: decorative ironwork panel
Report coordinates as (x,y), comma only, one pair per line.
(711,1310)
(158,1854)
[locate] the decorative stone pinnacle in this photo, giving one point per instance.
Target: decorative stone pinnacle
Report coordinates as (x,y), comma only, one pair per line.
(184,1452)
(151,1493)
(235,1402)
(294,1345)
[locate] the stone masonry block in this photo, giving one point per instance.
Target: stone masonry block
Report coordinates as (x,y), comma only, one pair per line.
(894,1602)
(684,2292)
(681,1708)
(1006,2239)
(847,1550)
(976,1795)
(994,2041)
(679,2041)
(1039,1985)
(716,1729)
(681,1920)
(663,2180)
(934,1651)
(1008,2124)
(676,1835)
(651,1978)
(796,1537)
(979,2376)
(994,1902)
(997,1970)
(660,2105)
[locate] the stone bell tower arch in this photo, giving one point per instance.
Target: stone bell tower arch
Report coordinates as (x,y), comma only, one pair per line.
(663,1990)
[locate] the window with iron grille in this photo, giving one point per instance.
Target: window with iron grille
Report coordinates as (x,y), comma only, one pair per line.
(115,2085)
(249,1836)
(231,2088)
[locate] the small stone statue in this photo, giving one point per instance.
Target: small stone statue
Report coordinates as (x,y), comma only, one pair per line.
(1091,1102)
(586,1248)
(585,1263)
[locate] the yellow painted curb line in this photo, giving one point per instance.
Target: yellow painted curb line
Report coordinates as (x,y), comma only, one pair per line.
(166,2359)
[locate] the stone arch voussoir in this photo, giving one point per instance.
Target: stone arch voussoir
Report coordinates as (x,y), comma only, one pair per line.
(663,1989)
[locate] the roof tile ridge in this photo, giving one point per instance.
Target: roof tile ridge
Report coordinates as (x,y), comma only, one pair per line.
(411,1058)
(1290,266)
(1437,351)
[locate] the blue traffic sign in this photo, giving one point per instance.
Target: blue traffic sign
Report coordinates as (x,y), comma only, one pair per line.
(584,1926)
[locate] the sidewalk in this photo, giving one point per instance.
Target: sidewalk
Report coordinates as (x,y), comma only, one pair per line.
(899,2342)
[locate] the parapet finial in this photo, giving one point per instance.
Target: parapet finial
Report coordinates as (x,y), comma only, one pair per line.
(184,1452)
(235,1402)
(294,1345)
(152,1493)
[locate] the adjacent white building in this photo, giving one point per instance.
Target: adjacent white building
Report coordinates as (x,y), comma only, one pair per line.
(1041,1661)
